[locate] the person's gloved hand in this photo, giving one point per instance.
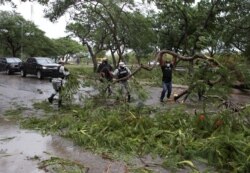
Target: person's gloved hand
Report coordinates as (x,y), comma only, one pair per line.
(67,76)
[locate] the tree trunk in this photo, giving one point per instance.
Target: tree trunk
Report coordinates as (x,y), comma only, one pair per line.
(113,58)
(92,55)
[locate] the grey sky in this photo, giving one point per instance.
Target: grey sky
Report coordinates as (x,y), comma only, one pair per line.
(34,12)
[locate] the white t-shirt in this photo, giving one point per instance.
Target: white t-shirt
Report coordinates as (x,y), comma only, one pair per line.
(62,70)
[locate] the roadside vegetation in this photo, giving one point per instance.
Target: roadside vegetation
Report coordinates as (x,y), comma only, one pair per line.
(209,132)
(209,41)
(220,139)
(55,164)
(182,136)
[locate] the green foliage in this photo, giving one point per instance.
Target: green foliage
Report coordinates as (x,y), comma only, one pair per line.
(70,88)
(143,43)
(55,164)
(21,36)
(64,46)
(221,139)
(186,26)
(43,106)
(14,113)
(109,26)
(238,68)
(206,25)
(80,70)
(153,76)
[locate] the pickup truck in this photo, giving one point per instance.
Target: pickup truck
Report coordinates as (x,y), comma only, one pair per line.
(41,67)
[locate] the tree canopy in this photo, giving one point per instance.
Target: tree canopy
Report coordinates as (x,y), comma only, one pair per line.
(17,36)
(22,38)
(186,27)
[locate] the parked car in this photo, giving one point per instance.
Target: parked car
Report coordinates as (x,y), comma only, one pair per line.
(41,67)
(10,64)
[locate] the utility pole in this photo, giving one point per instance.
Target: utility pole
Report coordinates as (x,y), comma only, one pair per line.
(21,40)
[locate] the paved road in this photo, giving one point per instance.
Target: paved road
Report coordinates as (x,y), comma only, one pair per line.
(16,90)
(19,146)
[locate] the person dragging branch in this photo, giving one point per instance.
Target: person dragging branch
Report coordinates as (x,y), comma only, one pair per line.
(122,73)
(105,72)
(58,83)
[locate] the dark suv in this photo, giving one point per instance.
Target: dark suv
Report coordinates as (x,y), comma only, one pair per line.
(10,64)
(41,67)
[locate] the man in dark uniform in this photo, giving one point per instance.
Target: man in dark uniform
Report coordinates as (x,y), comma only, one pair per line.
(105,72)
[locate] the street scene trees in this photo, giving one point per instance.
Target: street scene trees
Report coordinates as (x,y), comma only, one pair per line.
(22,38)
(201,47)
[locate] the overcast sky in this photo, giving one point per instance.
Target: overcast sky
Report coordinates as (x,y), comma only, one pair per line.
(34,12)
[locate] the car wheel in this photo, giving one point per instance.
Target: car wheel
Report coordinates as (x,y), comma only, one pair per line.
(23,73)
(39,74)
(8,72)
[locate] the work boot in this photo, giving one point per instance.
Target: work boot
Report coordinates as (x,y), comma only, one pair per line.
(59,103)
(129,98)
(50,99)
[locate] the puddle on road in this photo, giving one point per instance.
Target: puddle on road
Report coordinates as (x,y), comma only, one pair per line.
(18,146)
(22,150)
(24,92)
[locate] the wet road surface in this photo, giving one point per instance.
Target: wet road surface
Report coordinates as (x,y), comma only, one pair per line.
(19,147)
(22,150)
(16,90)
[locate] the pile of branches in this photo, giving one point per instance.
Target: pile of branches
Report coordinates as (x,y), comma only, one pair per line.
(220,75)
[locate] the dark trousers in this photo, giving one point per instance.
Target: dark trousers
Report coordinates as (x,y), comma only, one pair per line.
(108,89)
(166,87)
(51,98)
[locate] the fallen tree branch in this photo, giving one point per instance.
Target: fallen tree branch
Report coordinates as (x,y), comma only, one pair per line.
(178,57)
(185,58)
(228,103)
(136,71)
(242,86)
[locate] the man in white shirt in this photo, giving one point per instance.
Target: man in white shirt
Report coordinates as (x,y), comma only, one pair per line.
(58,83)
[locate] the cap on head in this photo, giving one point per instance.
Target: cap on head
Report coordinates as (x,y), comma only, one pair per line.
(105,59)
(122,64)
(61,62)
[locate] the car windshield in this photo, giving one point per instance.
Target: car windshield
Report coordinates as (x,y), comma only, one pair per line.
(44,60)
(11,60)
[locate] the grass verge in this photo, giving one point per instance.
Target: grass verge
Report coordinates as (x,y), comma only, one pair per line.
(124,132)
